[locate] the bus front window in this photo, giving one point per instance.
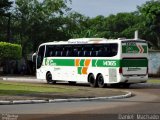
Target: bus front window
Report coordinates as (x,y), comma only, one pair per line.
(40,56)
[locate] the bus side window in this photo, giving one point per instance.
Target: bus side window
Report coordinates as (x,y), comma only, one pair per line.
(75,52)
(115,49)
(50,51)
(63,53)
(58,53)
(50,54)
(68,53)
(100,53)
(93,53)
(80,53)
(87,53)
(107,51)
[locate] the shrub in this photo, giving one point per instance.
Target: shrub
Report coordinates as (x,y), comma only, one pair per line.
(10,51)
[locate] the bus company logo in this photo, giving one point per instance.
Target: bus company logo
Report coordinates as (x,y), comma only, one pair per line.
(131,50)
(109,63)
(50,62)
(133,69)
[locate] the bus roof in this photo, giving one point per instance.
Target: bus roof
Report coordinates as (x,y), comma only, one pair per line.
(91,41)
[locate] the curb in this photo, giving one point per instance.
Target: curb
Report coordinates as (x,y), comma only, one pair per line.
(129,94)
(22,79)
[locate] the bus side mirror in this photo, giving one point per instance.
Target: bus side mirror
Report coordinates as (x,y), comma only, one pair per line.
(34,56)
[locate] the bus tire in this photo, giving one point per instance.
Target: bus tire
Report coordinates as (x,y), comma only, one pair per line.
(49,78)
(100,81)
(92,81)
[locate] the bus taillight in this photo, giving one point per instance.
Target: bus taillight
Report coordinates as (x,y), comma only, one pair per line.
(120,70)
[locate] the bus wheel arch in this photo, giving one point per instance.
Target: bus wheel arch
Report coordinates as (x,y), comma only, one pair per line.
(100,80)
(49,78)
(91,80)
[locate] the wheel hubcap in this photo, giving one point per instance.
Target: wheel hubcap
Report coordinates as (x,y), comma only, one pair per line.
(100,81)
(49,78)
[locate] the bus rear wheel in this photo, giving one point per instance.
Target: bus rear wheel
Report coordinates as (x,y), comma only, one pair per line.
(49,78)
(100,81)
(92,81)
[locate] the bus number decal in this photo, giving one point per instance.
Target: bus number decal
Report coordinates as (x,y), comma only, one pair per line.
(105,63)
(109,63)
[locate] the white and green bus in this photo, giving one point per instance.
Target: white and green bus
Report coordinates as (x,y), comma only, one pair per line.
(97,61)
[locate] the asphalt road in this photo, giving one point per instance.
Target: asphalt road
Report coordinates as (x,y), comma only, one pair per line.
(145,101)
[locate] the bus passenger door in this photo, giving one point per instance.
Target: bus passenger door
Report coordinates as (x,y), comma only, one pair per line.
(39,63)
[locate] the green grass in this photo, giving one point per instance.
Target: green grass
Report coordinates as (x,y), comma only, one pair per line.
(16,88)
(154,81)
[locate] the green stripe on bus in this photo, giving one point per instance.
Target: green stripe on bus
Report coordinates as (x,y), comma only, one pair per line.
(59,62)
(79,70)
(105,63)
(120,63)
(134,63)
(99,63)
(82,62)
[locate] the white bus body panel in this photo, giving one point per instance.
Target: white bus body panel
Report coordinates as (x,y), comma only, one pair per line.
(110,74)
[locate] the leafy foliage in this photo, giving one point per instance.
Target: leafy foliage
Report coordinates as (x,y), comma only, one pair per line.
(37,21)
(10,51)
(4,14)
(151,13)
(4,6)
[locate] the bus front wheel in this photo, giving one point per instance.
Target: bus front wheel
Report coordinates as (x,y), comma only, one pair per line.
(92,81)
(49,78)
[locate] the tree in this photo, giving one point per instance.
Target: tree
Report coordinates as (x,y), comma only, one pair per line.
(76,25)
(4,7)
(115,26)
(151,12)
(37,21)
(4,16)
(97,26)
(121,25)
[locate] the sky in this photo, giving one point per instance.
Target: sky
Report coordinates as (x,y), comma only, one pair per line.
(93,8)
